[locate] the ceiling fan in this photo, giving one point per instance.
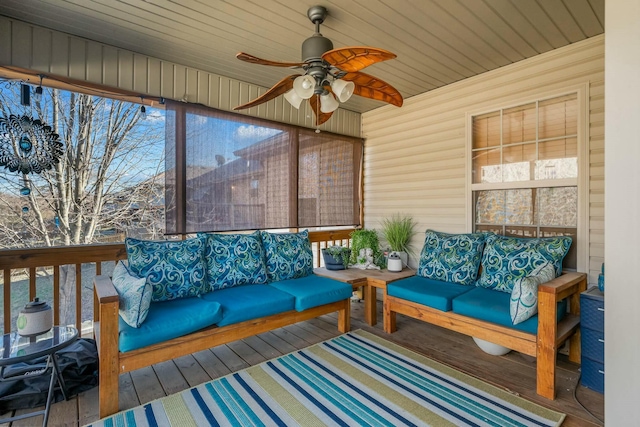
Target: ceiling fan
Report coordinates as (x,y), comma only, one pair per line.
(330,75)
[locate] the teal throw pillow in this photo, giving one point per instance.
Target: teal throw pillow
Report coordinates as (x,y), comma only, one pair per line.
(174,268)
(288,255)
(524,296)
(451,257)
(506,259)
(134,295)
(234,259)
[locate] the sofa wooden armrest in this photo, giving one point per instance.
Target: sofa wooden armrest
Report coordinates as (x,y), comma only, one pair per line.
(551,333)
(113,362)
(105,331)
(544,345)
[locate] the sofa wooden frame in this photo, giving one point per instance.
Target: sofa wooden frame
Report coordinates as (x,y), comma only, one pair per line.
(113,362)
(544,345)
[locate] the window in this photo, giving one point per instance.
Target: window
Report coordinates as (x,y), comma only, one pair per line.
(228,172)
(524,170)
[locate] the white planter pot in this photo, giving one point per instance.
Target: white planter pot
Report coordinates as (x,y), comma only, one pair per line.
(491,348)
(403,256)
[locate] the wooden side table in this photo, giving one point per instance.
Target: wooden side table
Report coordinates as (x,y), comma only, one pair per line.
(370,280)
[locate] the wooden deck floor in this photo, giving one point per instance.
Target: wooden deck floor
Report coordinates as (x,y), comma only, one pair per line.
(514,372)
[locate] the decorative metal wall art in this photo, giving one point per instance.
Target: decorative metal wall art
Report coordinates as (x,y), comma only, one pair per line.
(28,145)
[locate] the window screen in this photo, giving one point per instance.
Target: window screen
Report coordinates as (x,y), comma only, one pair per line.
(230,172)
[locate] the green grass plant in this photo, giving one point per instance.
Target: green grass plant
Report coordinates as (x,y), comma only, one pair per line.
(398,230)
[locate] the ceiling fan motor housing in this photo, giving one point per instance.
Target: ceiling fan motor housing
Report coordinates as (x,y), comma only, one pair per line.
(314,47)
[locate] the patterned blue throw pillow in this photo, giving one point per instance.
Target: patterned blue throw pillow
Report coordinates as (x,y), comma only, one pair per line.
(506,259)
(524,296)
(451,257)
(174,268)
(234,259)
(134,295)
(288,255)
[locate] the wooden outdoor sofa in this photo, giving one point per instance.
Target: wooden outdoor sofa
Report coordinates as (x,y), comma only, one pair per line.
(483,312)
(543,346)
(114,362)
(225,288)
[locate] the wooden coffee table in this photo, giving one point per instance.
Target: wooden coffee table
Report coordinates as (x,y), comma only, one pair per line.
(370,280)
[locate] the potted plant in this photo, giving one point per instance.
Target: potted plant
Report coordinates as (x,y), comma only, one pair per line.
(362,239)
(398,230)
(336,257)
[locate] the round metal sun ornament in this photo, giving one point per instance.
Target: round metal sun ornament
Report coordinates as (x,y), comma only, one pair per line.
(28,145)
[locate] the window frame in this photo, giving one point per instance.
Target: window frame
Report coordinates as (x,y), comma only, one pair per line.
(582,181)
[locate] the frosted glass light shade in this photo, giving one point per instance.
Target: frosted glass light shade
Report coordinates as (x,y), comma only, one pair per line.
(328,103)
(304,85)
(293,98)
(343,89)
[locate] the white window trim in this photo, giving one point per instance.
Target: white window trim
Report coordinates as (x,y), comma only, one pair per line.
(582,229)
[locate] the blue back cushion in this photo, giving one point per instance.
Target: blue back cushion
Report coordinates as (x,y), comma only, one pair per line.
(234,259)
(288,255)
(451,258)
(175,269)
(506,259)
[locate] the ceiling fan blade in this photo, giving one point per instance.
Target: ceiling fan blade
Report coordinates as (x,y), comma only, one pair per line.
(315,106)
(278,89)
(255,60)
(374,88)
(355,58)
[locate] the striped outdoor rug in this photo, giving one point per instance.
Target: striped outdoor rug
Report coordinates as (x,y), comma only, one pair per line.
(356,379)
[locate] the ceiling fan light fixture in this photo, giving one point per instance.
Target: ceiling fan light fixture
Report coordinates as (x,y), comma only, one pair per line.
(304,86)
(343,89)
(328,103)
(293,98)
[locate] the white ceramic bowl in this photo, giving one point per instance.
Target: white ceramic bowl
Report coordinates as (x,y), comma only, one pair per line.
(491,348)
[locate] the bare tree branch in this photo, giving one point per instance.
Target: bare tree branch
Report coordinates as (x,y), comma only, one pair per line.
(99,183)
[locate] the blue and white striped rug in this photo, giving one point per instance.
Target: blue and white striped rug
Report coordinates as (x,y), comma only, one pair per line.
(356,379)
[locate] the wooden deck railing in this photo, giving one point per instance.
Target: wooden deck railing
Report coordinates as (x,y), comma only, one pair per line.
(25,264)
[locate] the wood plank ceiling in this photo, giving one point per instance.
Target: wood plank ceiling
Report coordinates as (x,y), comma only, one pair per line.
(438,42)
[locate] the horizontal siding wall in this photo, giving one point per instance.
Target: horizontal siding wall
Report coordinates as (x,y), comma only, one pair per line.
(416,159)
(58,54)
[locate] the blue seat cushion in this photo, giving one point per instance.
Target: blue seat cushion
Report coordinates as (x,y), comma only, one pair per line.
(312,290)
(429,292)
(494,306)
(245,302)
(169,319)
